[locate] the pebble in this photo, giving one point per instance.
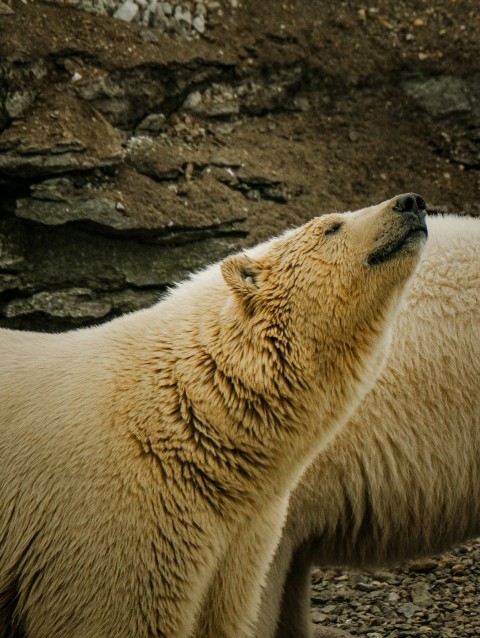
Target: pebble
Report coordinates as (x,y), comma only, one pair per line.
(182,15)
(154,122)
(18,103)
(425,565)
(186,18)
(148,35)
(5,9)
(199,23)
(408,609)
(193,100)
(434,597)
(127,11)
(421,595)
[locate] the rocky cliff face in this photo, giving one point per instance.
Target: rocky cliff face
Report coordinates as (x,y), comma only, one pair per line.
(132,155)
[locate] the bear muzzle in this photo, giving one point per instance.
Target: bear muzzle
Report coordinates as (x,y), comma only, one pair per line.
(409,232)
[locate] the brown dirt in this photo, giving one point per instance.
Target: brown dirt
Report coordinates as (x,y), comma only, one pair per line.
(357,138)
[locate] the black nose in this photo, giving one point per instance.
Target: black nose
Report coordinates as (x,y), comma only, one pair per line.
(410,203)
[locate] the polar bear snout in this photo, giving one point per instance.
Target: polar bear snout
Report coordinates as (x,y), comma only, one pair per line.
(410,203)
(413,208)
(404,230)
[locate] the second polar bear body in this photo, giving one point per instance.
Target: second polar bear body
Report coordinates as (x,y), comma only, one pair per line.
(402,478)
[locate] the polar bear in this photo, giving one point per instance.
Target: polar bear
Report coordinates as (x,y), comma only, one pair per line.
(131,453)
(402,478)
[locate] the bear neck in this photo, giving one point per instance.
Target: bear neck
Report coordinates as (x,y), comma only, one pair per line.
(235,437)
(237,423)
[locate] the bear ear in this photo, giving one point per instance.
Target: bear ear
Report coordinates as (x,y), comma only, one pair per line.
(241,274)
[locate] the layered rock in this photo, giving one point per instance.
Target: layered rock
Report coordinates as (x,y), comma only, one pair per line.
(129,157)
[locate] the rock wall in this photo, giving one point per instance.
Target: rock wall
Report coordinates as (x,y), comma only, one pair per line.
(130,157)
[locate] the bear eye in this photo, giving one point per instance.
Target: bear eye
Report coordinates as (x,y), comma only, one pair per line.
(333,229)
(249,277)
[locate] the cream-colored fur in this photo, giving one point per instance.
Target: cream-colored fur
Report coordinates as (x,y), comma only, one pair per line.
(403,477)
(132,453)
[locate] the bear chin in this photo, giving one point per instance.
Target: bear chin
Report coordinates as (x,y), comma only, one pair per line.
(406,243)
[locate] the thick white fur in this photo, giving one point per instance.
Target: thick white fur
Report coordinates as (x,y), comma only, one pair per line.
(133,455)
(403,478)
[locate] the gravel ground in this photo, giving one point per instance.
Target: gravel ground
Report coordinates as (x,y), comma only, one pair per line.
(186,18)
(437,597)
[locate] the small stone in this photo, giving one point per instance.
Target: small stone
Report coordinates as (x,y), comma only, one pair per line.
(223,128)
(408,609)
(76,77)
(183,15)
(179,27)
(302,103)
(421,595)
(422,566)
(458,568)
(18,103)
(200,9)
(225,109)
(222,162)
(418,22)
(384,576)
(148,36)
(153,122)
(318,617)
(199,23)
(192,100)
(363,586)
(127,12)
(352,136)
(167,8)
(5,10)
(159,20)
(385,23)
(329,609)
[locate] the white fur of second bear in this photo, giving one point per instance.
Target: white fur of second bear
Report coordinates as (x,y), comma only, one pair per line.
(131,453)
(402,478)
